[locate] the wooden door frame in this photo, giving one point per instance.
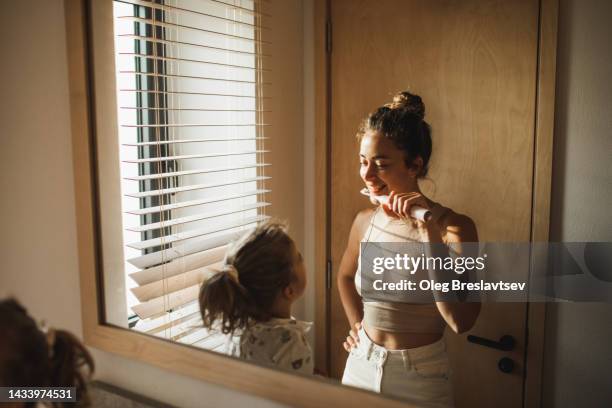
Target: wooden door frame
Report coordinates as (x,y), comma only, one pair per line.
(322,249)
(542,181)
(541,184)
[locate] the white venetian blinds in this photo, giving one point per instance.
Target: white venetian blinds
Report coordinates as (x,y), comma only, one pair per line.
(191,93)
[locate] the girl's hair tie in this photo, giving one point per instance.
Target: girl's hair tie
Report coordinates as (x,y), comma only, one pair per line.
(231,271)
(49,333)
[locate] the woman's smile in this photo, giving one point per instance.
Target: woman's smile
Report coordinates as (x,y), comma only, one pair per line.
(377,189)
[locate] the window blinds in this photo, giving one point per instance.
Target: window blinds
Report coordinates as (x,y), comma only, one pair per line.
(192,94)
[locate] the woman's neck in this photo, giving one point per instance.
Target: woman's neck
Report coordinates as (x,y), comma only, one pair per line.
(414,188)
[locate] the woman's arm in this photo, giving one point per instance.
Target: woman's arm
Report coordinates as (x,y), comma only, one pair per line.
(457,229)
(351,301)
(453,230)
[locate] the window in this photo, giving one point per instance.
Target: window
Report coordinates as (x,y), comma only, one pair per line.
(191,98)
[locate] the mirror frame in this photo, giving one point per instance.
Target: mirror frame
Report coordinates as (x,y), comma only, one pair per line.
(246,377)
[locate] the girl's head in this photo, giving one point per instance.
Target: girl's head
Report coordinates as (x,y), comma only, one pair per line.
(30,357)
(263,270)
(395,145)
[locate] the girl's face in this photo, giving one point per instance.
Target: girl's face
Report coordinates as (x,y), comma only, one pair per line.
(383,166)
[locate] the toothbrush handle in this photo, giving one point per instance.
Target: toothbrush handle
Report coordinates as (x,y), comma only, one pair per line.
(420,213)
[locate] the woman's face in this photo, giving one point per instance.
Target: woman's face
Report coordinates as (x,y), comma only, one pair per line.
(383,166)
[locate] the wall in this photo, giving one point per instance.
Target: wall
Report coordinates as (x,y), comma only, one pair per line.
(38,243)
(578,358)
(38,246)
(286,135)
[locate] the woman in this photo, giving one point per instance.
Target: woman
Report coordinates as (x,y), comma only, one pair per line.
(398,348)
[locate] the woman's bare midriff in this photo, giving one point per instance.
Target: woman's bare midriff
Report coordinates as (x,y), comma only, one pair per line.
(400,341)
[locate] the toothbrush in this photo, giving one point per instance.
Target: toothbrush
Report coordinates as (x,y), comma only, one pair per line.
(416,212)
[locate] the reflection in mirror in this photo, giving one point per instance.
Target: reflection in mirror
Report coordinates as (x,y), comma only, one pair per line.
(473,67)
(190,82)
(403,339)
(203,264)
(252,298)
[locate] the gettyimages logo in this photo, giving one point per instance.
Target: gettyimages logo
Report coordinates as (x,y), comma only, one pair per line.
(486,272)
(412,264)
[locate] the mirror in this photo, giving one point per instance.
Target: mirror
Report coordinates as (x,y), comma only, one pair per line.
(214,136)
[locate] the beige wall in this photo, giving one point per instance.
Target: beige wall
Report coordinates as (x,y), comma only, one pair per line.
(578,357)
(38,243)
(38,246)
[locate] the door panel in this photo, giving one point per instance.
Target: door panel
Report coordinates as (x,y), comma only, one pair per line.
(474,64)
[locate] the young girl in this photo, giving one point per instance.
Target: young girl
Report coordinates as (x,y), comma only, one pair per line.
(31,357)
(252,296)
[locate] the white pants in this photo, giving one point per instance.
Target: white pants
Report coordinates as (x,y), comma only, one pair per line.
(420,375)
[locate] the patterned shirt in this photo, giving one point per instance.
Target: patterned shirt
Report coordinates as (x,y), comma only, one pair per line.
(278,342)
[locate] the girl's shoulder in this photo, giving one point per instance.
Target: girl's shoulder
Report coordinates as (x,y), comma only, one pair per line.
(279,342)
(276,330)
(276,325)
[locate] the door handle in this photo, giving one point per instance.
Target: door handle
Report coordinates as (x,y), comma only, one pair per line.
(505,343)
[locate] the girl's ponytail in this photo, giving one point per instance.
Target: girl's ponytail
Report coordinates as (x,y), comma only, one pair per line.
(31,357)
(225,302)
(70,363)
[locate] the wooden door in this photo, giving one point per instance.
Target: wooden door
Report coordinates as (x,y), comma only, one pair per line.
(474,63)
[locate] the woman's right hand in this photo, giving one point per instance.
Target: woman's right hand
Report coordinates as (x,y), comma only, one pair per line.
(353,338)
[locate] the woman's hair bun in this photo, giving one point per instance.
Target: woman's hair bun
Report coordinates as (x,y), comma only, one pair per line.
(408,102)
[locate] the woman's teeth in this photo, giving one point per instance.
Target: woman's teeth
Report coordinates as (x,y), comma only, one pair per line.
(377,190)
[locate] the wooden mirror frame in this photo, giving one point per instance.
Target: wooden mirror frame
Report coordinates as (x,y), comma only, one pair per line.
(212,367)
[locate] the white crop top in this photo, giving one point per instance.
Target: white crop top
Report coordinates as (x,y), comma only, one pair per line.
(395,316)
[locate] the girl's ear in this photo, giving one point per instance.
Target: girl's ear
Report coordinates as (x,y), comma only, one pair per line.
(289,292)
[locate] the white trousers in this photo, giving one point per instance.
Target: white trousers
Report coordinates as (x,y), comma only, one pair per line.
(419,375)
